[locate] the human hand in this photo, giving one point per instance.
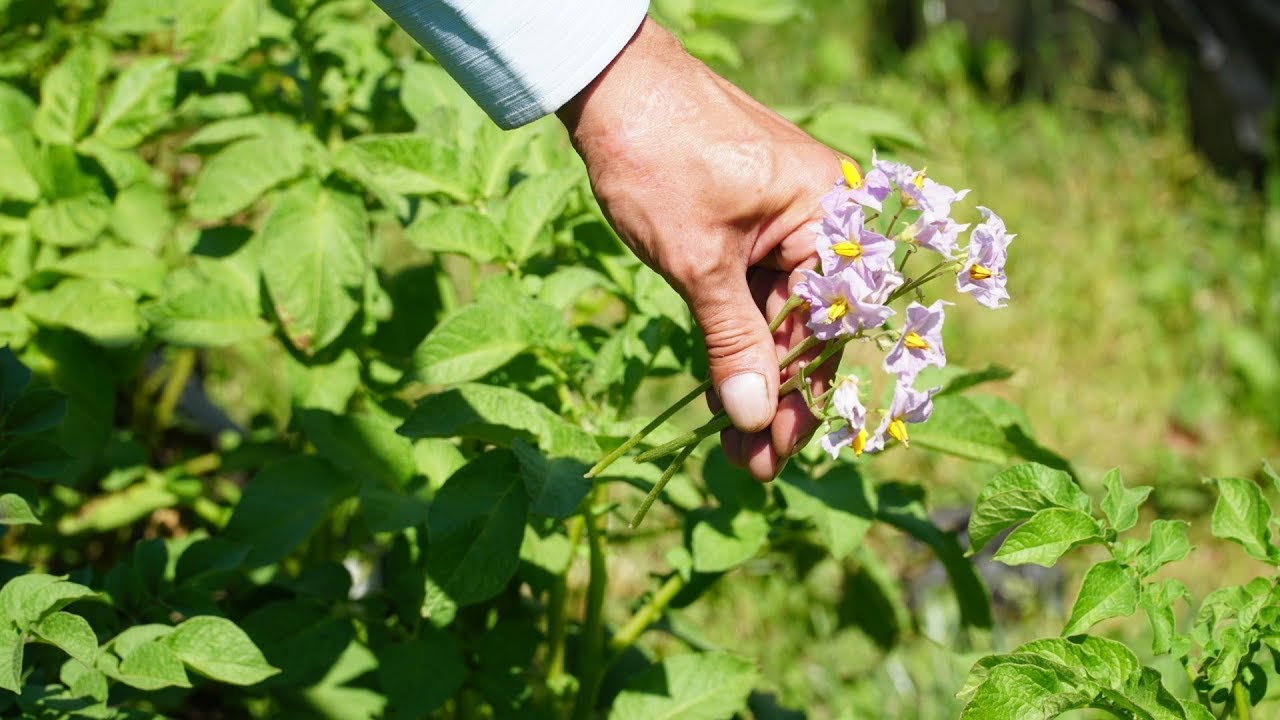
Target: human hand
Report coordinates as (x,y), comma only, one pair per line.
(715,192)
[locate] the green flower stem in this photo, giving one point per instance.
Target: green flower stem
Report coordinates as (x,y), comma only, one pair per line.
(792,303)
(656,490)
(647,615)
(591,666)
(721,420)
(557,610)
(934,272)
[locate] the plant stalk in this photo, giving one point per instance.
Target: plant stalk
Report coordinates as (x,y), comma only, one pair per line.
(647,615)
(591,659)
(184,363)
(656,490)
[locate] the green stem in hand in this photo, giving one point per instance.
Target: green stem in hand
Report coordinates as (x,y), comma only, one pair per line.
(656,490)
(933,272)
(690,439)
(792,303)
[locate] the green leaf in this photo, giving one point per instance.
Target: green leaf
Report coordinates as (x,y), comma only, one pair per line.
(71,221)
(1271,473)
(37,410)
(1241,516)
(1121,504)
(14,378)
(69,94)
(1049,534)
(17,181)
(1018,493)
(701,686)
(1109,590)
(497,415)
(283,504)
(839,504)
(325,386)
(469,344)
(205,305)
(476,527)
(119,509)
(138,104)
(99,309)
(140,216)
(217,31)
(421,674)
(239,175)
(556,486)
(131,267)
(83,680)
(760,12)
(1157,601)
(531,208)
(1025,692)
(216,648)
(426,90)
(1100,660)
(149,665)
(408,165)
(11,647)
(14,510)
(726,537)
(1168,544)
(137,17)
(459,230)
(497,153)
(958,426)
(27,599)
(313,262)
(70,632)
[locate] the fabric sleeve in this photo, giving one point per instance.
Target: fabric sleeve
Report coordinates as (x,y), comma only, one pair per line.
(520,59)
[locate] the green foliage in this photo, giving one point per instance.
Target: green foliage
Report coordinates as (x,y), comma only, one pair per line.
(1219,650)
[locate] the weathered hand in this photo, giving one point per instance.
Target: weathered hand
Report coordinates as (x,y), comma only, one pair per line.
(715,192)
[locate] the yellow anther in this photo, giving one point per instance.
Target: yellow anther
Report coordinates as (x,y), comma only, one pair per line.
(852,175)
(849,249)
(838,309)
(898,431)
(918,180)
(914,341)
(860,441)
(978,272)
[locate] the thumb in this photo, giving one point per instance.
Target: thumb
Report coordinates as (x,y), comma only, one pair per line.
(740,349)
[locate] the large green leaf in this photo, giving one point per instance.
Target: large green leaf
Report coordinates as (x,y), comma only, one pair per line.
(138,103)
(129,266)
(241,173)
(1026,691)
(1049,533)
(838,504)
(1241,515)
(69,94)
(701,686)
(408,165)
(476,527)
(27,599)
(1109,590)
(1018,493)
(469,344)
(531,208)
(11,647)
(726,537)
(459,230)
(100,309)
(216,648)
(556,486)
(137,17)
(72,220)
(15,511)
(1157,601)
(421,674)
(71,633)
(1168,543)
(313,262)
(205,305)
(217,31)
(283,504)
(958,426)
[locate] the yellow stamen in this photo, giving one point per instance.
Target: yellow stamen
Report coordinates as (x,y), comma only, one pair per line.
(838,309)
(852,175)
(898,431)
(914,341)
(918,180)
(860,442)
(849,249)
(978,272)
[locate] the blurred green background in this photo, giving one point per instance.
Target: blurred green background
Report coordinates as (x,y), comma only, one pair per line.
(1144,329)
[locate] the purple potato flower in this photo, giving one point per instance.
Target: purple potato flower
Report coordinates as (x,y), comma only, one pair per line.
(855,189)
(938,234)
(850,409)
(840,304)
(844,242)
(908,406)
(982,274)
(918,191)
(921,342)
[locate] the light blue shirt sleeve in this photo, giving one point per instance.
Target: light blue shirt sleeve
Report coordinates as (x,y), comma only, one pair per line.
(520,59)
